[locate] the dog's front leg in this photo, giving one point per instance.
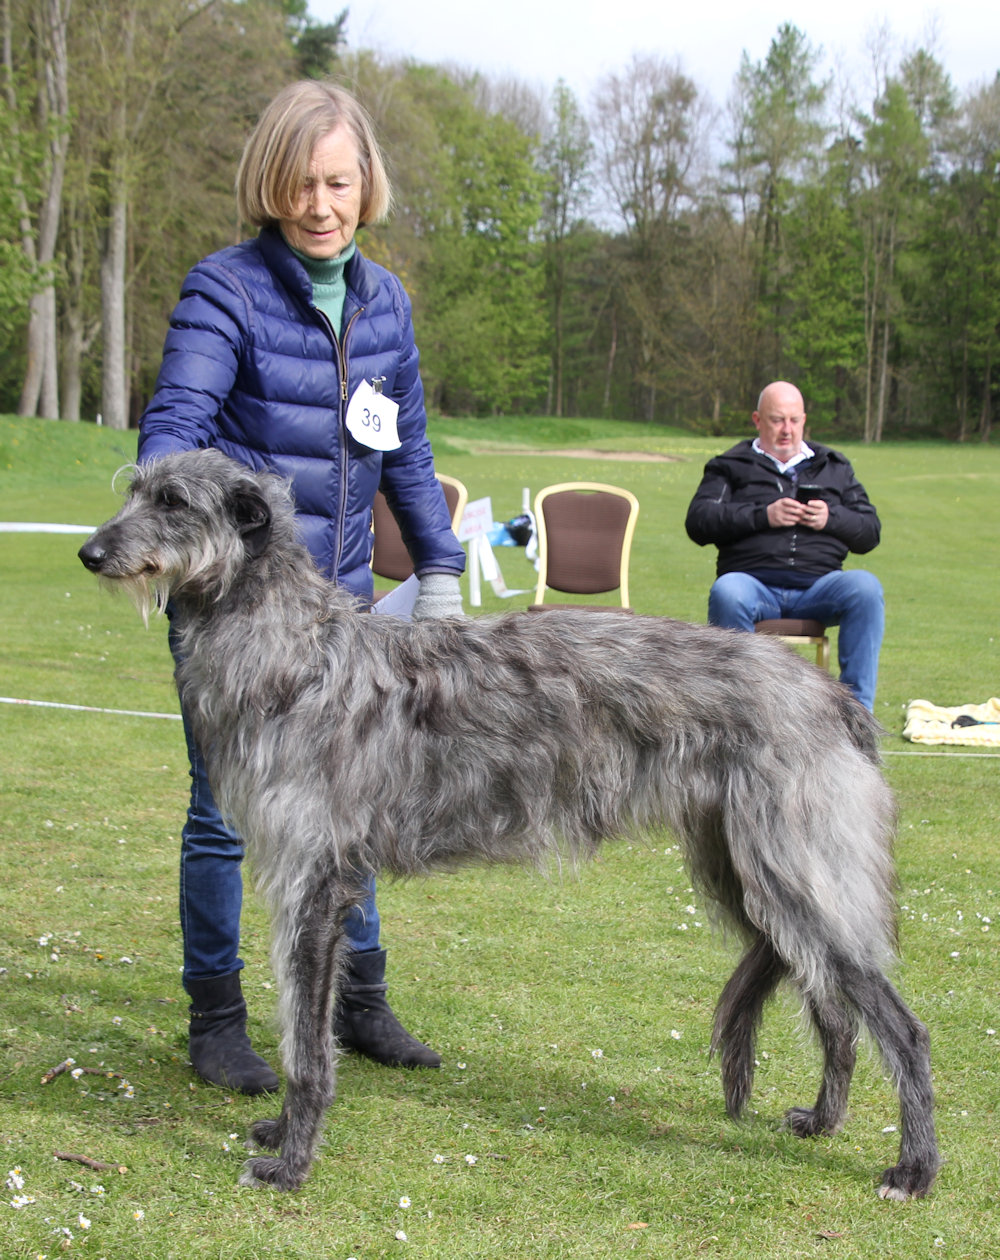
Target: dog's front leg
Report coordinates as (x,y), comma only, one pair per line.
(305,954)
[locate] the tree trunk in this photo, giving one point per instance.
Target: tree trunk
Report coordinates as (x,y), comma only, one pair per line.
(963,393)
(558,353)
(114,396)
(40,389)
(72,357)
(870,276)
(883,381)
(74,341)
(883,385)
(610,367)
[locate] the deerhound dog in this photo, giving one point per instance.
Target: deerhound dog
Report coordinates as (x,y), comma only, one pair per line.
(342,744)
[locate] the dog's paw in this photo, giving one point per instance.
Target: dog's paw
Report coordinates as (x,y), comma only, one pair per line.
(270,1171)
(266,1133)
(805,1122)
(907,1181)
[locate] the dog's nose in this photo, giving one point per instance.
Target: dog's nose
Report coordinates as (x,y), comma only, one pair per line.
(93,555)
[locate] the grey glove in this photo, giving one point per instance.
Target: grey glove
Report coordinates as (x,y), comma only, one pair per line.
(439,596)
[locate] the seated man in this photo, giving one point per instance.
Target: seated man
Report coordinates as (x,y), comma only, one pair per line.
(783,515)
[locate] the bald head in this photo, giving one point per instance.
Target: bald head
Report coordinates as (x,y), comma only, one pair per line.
(780,419)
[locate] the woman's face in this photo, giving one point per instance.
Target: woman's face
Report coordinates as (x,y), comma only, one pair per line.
(329,205)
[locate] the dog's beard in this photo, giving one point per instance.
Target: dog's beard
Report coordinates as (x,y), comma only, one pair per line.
(205,573)
(147,591)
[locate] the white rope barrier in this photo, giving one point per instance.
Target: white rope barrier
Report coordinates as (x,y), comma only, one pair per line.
(87,708)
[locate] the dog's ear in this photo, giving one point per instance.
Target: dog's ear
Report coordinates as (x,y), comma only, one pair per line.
(252,516)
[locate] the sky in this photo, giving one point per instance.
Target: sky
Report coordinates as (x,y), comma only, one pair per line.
(580,41)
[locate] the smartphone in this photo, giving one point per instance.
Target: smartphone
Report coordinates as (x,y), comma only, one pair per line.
(804,493)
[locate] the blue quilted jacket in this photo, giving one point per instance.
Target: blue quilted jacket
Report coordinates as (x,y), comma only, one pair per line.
(252,367)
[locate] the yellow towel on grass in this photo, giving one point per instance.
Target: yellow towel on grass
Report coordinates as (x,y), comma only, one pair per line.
(928,723)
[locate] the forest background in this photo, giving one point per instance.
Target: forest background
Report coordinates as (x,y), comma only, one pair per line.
(642,256)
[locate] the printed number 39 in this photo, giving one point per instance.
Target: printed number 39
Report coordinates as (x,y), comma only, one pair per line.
(372,420)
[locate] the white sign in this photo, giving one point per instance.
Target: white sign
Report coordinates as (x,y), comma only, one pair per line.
(476,519)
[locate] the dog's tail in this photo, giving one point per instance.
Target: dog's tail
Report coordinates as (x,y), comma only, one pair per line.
(862,728)
(798,848)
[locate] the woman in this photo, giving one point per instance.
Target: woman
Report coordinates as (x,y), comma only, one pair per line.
(280,353)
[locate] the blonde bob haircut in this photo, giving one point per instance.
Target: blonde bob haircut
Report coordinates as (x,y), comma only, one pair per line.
(275,161)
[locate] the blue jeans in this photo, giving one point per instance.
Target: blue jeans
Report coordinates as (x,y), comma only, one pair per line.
(211,886)
(851,599)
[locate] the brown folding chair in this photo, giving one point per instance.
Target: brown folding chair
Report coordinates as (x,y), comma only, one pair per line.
(799,630)
(390,559)
(585,531)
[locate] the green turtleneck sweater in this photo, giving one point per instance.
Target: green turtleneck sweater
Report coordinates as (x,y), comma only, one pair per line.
(328,283)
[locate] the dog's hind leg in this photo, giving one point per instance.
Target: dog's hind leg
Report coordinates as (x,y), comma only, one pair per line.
(738,1017)
(838,1034)
(737,1022)
(306,956)
(905,1048)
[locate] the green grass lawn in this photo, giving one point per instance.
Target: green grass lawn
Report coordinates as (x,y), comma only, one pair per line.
(577,1113)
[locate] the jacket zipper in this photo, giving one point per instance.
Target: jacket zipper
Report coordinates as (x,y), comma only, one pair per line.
(340,345)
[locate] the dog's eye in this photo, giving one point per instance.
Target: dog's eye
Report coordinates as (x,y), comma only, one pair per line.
(171,499)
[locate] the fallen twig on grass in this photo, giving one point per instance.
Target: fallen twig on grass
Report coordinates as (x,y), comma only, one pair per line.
(69,1065)
(96,1164)
(58,1070)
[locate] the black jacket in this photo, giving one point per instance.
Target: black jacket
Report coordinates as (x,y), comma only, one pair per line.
(729,509)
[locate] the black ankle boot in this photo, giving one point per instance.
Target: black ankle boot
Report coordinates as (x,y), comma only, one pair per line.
(363,1020)
(218,1044)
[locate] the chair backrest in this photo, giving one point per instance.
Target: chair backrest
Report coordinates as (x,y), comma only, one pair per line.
(798,631)
(585,531)
(390,559)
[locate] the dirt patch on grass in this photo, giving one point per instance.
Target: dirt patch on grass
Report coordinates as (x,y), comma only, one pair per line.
(582,452)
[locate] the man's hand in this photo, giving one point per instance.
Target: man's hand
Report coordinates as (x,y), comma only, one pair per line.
(783,513)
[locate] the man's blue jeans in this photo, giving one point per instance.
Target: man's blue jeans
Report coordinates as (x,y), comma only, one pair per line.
(851,599)
(211,887)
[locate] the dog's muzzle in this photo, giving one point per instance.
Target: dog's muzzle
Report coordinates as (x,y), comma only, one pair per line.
(93,555)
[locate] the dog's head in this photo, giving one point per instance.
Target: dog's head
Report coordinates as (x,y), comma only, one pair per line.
(190,523)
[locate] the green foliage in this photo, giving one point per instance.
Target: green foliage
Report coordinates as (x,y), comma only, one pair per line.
(954,283)
(188,82)
(647,124)
(600,260)
(21,162)
(478,287)
(19,279)
(778,131)
(317,46)
(566,158)
(516,978)
(825,331)
(781,126)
